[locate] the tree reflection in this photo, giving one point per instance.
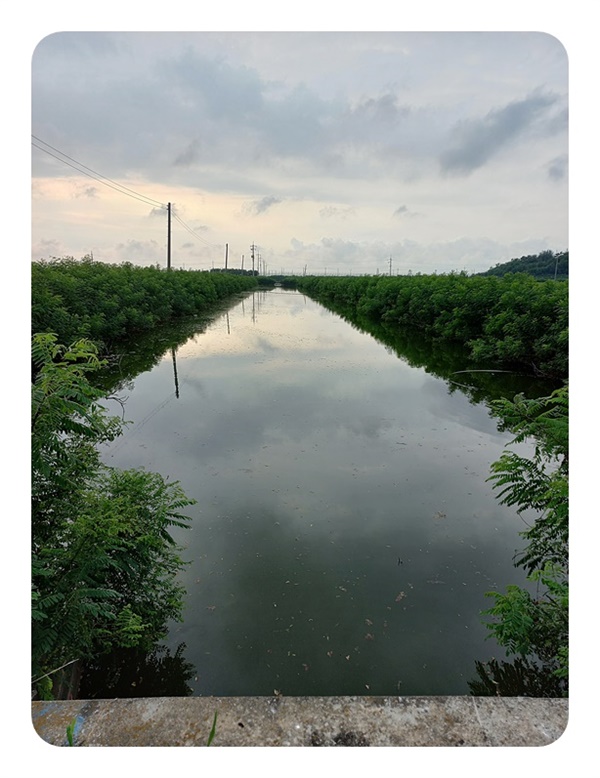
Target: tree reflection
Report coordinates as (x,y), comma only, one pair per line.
(520,678)
(133,673)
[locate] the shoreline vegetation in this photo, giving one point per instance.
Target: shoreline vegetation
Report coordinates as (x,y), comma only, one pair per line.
(104,565)
(511,321)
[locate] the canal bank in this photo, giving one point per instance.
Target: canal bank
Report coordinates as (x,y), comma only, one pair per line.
(304,721)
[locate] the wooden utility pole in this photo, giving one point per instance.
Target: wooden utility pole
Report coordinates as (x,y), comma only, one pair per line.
(168,236)
(226,254)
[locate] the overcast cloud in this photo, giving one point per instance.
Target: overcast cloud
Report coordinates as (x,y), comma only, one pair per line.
(334,151)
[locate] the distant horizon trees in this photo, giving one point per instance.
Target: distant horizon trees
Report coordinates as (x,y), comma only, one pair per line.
(546,264)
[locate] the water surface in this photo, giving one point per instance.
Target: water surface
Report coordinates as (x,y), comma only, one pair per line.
(344,535)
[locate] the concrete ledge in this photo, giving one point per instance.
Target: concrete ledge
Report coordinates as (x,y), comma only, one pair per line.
(304,721)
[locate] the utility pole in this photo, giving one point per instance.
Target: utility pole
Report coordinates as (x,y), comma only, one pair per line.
(168,236)
(226,253)
(252,247)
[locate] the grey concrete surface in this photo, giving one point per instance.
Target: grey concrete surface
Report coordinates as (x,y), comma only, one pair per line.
(304,721)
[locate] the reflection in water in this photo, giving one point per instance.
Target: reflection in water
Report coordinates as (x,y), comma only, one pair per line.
(173,354)
(134,673)
(345,534)
(521,677)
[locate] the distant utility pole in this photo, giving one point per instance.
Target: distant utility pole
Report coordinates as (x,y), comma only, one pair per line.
(242,261)
(252,248)
(226,254)
(168,236)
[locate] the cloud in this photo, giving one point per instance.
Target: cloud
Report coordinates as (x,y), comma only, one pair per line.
(145,252)
(333,255)
(256,207)
(475,141)
(190,155)
(403,212)
(334,211)
(558,168)
(333,127)
(87,191)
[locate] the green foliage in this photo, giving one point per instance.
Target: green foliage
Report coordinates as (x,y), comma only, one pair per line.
(513,321)
(547,264)
(71,731)
(106,303)
(526,625)
(103,559)
(540,483)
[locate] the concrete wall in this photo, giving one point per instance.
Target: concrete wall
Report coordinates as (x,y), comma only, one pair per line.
(304,721)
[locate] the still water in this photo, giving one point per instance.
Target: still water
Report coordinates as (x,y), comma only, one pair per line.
(344,535)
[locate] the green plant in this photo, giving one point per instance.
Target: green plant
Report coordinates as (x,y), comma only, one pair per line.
(213,730)
(71,731)
(524,624)
(104,563)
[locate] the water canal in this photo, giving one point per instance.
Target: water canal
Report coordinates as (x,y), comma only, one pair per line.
(344,534)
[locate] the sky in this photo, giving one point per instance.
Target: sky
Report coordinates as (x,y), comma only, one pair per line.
(330,152)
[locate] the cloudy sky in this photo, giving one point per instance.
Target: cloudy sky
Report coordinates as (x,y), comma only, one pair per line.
(330,151)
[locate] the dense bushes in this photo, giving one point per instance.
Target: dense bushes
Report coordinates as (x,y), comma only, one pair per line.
(105,303)
(510,321)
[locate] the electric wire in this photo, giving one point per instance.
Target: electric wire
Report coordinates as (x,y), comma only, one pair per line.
(93,174)
(85,170)
(192,232)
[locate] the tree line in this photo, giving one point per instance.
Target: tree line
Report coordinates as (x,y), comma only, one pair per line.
(509,321)
(546,264)
(106,303)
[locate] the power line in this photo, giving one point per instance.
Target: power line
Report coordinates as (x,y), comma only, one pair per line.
(192,232)
(93,174)
(87,171)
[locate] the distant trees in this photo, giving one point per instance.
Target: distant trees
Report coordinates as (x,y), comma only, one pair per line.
(105,303)
(509,321)
(547,264)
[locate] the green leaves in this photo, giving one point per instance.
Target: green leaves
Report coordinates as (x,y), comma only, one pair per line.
(107,302)
(213,730)
(514,619)
(521,623)
(511,321)
(104,563)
